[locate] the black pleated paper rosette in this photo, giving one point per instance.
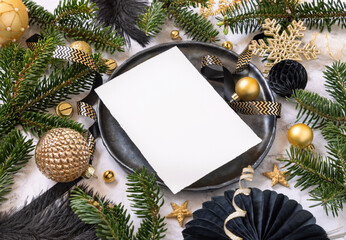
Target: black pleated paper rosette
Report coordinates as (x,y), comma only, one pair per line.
(270,216)
(286,76)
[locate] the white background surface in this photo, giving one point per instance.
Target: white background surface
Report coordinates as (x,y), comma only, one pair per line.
(30,182)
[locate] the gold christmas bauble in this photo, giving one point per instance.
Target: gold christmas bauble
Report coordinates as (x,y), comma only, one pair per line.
(64,109)
(62,154)
(14,21)
(247,88)
(82,46)
(175,35)
(108,176)
(228,45)
(112,65)
(300,135)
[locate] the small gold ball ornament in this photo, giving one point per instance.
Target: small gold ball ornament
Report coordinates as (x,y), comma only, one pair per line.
(62,154)
(247,88)
(14,21)
(228,45)
(82,46)
(175,35)
(112,65)
(300,135)
(108,176)
(64,109)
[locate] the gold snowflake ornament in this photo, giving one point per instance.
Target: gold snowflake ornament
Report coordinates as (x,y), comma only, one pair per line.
(284,46)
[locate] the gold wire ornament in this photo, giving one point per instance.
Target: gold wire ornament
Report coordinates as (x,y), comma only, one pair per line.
(283,46)
(208,10)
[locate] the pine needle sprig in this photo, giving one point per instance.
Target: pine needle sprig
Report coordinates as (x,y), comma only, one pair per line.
(76,19)
(247,16)
(152,19)
(14,154)
(335,76)
(112,221)
(196,27)
(147,200)
(316,110)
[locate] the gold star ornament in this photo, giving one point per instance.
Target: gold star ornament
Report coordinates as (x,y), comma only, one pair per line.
(277,176)
(180,212)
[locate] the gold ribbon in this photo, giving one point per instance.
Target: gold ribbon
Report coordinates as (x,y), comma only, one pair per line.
(247,174)
(314,36)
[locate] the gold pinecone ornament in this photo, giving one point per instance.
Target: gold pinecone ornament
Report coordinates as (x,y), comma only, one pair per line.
(62,155)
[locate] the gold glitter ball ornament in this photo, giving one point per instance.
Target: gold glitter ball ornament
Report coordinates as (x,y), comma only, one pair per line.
(82,46)
(13,21)
(300,135)
(175,35)
(112,65)
(228,45)
(64,109)
(62,154)
(247,88)
(108,176)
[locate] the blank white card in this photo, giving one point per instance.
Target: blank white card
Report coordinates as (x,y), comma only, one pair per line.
(176,119)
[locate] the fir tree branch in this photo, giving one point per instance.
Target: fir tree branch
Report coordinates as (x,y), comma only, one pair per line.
(152,19)
(335,76)
(196,26)
(147,201)
(248,16)
(38,122)
(316,109)
(81,25)
(14,154)
(112,221)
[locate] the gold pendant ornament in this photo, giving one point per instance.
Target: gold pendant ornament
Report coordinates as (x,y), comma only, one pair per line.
(277,176)
(300,135)
(228,45)
(247,89)
(14,21)
(64,109)
(111,64)
(180,212)
(82,46)
(108,176)
(175,35)
(62,154)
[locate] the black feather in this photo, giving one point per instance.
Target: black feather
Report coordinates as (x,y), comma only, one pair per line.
(47,217)
(122,15)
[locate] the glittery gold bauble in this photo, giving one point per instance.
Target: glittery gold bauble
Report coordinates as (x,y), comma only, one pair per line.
(112,65)
(175,35)
(108,176)
(64,109)
(62,154)
(300,135)
(247,88)
(13,21)
(82,46)
(228,45)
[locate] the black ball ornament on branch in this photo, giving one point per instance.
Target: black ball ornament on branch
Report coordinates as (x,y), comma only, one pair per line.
(286,76)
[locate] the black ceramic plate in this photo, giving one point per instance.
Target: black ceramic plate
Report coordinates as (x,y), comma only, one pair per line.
(124,151)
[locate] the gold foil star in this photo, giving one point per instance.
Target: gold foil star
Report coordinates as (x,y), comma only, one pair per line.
(180,212)
(283,46)
(277,176)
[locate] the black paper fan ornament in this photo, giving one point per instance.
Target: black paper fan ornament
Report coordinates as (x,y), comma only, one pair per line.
(287,75)
(270,216)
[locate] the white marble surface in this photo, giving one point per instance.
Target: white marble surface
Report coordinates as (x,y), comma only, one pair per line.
(30,182)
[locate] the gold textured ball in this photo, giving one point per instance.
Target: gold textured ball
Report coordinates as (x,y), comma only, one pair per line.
(82,46)
(108,176)
(247,88)
(300,135)
(112,65)
(14,21)
(228,45)
(175,35)
(62,154)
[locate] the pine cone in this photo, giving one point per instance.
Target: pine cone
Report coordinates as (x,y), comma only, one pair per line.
(287,75)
